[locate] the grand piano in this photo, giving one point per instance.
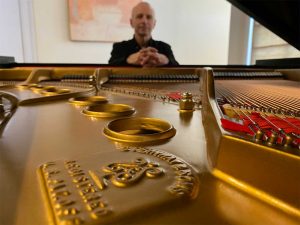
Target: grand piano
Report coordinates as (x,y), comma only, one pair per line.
(203,144)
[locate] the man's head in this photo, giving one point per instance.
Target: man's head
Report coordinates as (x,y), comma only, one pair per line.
(143,20)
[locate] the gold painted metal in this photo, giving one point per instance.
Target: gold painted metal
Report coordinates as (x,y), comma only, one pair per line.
(210,120)
(22,86)
(49,91)
(261,167)
(37,75)
(17,74)
(31,86)
(88,100)
(41,74)
(49,88)
(63,91)
(247,183)
(36,87)
(129,173)
(186,104)
(80,192)
(108,110)
(63,94)
(264,196)
(139,130)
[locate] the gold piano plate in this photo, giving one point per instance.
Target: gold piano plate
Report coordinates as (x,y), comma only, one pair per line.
(49,88)
(112,187)
(23,86)
(49,91)
(26,86)
(36,87)
(139,130)
(108,110)
(89,100)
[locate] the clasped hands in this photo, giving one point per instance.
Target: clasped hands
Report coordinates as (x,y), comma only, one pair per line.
(148,57)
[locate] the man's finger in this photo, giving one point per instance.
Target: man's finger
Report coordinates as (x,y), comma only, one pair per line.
(151,49)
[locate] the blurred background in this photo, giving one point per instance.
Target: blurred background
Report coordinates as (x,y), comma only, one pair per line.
(201,32)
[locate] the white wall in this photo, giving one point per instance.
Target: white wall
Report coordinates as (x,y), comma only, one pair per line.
(202,31)
(198,31)
(239,32)
(10,27)
(53,38)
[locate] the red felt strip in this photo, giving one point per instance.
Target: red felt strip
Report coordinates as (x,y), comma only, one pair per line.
(285,126)
(230,125)
(294,121)
(174,95)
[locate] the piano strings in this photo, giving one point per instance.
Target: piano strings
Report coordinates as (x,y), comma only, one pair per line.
(261,111)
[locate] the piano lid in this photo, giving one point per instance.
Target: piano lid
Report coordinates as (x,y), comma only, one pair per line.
(282,17)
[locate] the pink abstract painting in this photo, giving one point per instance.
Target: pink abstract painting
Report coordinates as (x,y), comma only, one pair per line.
(100,20)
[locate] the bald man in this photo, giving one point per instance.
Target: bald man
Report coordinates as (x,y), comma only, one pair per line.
(142,50)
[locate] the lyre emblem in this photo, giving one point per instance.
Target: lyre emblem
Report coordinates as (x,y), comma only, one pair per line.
(125,174)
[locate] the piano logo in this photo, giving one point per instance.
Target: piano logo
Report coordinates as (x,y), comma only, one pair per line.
(107,187)
(126,174)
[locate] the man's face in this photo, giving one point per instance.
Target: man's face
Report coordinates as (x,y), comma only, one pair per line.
(143,20)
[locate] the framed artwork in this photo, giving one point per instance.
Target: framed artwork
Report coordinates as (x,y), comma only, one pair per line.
(100,20)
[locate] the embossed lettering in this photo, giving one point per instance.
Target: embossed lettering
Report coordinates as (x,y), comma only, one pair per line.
(179,166)
(100,212)
(179,190)
(57,194)
(128,173)
(184,180)
(55,181)
(54,187)
(82,185)
(51,173)
(63,203)
(46,165)
(168,158)
(140,150)
(87,190)
(91,197)
(94,205)
(67,211)
(76,172)
(72,165)
(158,154)
(176,161)
(184,172)
(70,162)
(72,221)
(80,179)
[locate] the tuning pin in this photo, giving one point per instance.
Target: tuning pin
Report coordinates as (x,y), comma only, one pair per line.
(258,135)
(279,111)
(272,139)
(288,141)
(270,110)
(198,103)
